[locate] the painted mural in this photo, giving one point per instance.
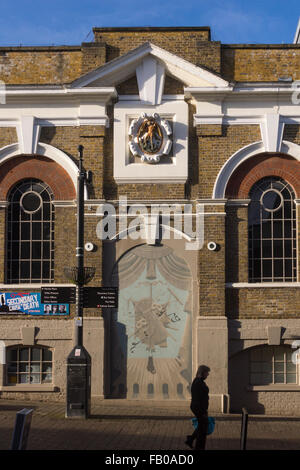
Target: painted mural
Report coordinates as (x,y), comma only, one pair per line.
(151,331)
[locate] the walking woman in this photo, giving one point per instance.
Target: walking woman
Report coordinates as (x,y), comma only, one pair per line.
(199,406)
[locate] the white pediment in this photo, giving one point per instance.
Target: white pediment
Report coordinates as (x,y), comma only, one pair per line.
(150,63)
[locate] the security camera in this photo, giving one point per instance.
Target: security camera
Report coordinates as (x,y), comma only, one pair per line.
(89,246)
(212,246)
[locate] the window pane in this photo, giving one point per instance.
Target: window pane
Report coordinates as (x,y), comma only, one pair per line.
(47,355)
(25,231)
(12,378)
(267,248)
(35,354)
(46,231)
(25,270)
(287,229)
(255,379)
(46,270)
(36,231)
(279,378)
(277,230)
(290,367)
(278,268)
(24,378)
(46,250)
(12,368)
(255,367)
(24,354)
(36,250)
(288,355)
(266,230)
(290,378)
(288,266)
(24,367)
(266,367)
(255,354)
(288,248)
(267,268)
(36,269)
(47,378)
(279,354)
(267,354)
(35,378)
(278,367)
(15,250)
(266,379)
(25,250)
(278,248)
(12,355)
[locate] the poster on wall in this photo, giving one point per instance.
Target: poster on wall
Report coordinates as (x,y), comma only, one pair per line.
(29,303)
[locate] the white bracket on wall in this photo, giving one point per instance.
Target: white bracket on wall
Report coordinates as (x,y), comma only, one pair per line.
(150,76)
(272,132)
(28,135)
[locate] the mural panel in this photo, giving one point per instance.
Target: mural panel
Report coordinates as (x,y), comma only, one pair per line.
(151,331)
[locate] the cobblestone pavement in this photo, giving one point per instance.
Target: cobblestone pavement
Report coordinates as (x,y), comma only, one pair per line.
(119,425)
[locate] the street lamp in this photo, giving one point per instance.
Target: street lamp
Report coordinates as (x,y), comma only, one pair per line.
(78,401)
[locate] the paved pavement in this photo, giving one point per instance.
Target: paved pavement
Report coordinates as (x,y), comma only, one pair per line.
(117,425)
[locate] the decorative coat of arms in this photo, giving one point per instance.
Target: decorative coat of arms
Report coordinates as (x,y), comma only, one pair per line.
(150,137)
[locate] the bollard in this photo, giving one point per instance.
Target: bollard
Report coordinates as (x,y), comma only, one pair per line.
(21,429)
(244,429)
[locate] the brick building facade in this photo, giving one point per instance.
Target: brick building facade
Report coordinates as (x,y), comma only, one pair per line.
(226,127)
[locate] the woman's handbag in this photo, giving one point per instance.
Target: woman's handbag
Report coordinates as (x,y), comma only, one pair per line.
(210,427)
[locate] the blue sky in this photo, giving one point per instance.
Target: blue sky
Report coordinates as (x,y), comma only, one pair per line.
(37,22)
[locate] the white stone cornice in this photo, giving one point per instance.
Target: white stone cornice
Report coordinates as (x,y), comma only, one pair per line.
(102,93)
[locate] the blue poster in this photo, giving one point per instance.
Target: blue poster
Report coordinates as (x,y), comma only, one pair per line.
(29,303)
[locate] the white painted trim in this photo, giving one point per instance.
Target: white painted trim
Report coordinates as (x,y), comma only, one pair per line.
(2,353)
(62,159)
(265,285)
(105,92)
(274,388)
(231,164)
(137,98)
(255,119)
(242,155)
(33,286)
(297,33)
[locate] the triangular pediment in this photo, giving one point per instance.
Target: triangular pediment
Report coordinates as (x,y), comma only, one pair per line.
(150,63)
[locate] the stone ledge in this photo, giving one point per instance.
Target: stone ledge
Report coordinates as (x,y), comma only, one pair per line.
(29,388)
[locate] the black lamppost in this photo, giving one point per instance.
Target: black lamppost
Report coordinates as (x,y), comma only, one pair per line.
(79,361)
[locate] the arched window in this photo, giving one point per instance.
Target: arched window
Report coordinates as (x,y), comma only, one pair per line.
(272,231)
(29,365)
(30,233)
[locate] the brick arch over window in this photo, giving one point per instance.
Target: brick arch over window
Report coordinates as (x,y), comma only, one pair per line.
(260,166)
(39,167)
